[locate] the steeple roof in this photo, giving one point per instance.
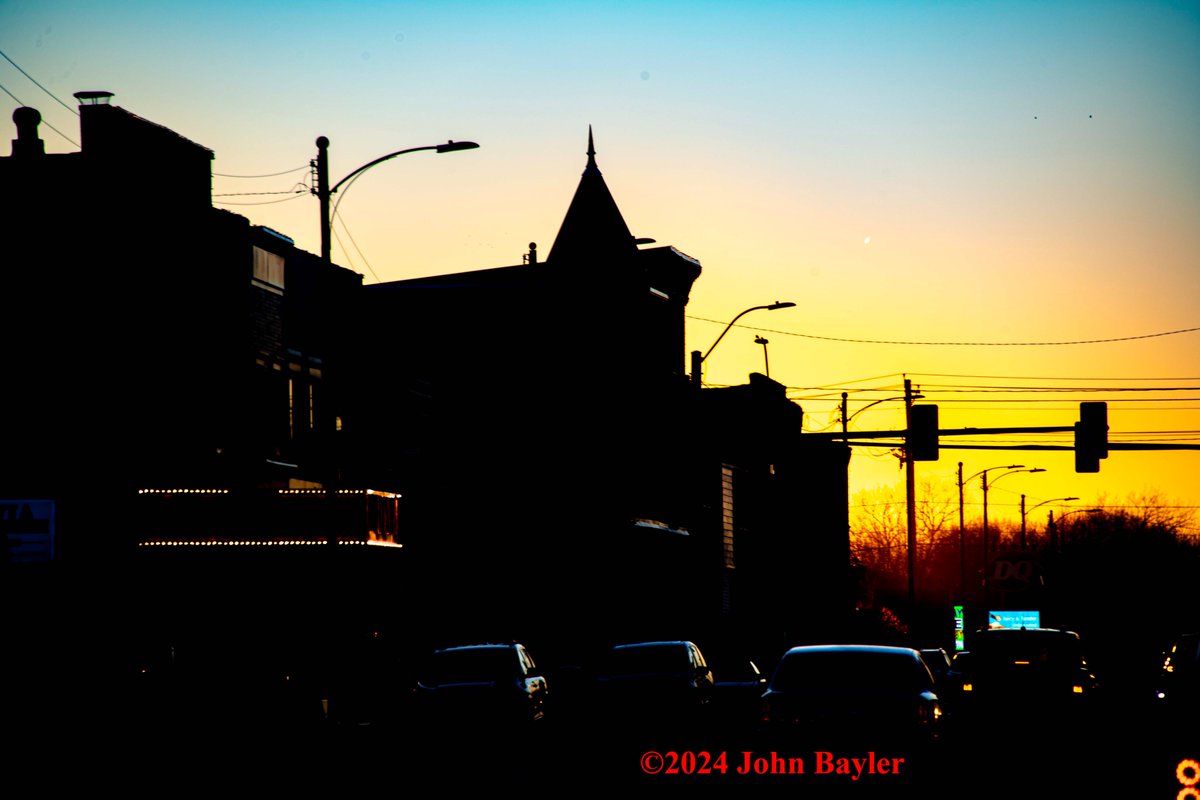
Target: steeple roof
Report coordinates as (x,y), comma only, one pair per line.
(593,229)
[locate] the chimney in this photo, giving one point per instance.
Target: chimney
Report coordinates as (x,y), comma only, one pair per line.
(27,144)
(93,98)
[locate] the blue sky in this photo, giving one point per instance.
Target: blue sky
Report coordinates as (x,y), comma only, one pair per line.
(966,171)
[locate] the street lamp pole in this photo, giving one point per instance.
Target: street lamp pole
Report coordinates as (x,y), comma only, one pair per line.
(962,535)
(766,361)
(324,191)
(986,484)
(698,359)
(1056,541)
(1036,505)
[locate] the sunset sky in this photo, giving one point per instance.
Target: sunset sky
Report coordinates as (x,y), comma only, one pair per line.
(985,194)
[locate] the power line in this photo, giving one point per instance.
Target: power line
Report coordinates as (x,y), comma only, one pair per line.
(35,83)
(1036,400)
(263,203)
(356,247)
(839,384)
(243,194)
(269,175)
(967,389)
(44,122)
(953,344)
(1033,377)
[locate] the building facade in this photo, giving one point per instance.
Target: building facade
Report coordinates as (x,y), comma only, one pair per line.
(155,342)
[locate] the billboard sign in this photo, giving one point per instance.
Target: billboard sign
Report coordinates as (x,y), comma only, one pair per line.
(28,529)
(1014,619)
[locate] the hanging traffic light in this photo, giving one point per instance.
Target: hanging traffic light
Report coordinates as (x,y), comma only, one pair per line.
(1091,436)
(922,440)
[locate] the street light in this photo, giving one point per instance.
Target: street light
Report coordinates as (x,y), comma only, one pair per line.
(845,404)
(1024,511)
(323,190)
(962,537)
(1051,525)
(986,484)
(766,361)
(698,359)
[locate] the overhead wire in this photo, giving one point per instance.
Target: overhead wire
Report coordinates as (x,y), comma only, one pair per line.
(244,194)
(954,343)
(263,203)
(1036,378)
(18,101)
(35,83)
(357,249)
(266,175)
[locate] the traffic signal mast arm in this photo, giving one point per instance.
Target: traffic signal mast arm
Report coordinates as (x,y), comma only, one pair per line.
(944,432)
(921,438)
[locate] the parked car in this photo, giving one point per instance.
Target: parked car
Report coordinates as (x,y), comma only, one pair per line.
(655,682)
(852,693)
(1021,669)
(481,684)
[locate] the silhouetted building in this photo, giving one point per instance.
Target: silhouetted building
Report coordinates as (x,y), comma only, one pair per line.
(775,516)
(152,341)
(553,452)
(537,418)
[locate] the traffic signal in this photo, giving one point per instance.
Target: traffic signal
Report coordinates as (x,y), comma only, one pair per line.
(1091,436)
(922,440)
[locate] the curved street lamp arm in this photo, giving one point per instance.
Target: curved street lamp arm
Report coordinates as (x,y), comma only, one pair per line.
(1053,500)
(1013,472)
(877,402)
(770,307)
(323,190)
(727,327)
(989,469)
(379,160)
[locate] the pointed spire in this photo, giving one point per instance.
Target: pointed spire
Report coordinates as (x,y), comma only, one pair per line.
(593,229)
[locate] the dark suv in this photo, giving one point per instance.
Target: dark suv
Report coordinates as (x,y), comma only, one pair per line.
(481,684)
(662,681)
(1006,669)
(852,694)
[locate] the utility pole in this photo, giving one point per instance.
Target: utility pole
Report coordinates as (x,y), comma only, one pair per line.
(910,496)
(984,483)
(845,416)
(1022,522)
(962,538)
(322,192)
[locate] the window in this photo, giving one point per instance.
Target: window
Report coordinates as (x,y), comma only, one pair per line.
(268,268)
(727,514)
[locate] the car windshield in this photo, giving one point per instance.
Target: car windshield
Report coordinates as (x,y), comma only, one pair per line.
(831,670)
(648,659)
(471,665)
(1047,650)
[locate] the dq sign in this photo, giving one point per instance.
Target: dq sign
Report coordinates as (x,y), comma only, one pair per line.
(1014,572)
